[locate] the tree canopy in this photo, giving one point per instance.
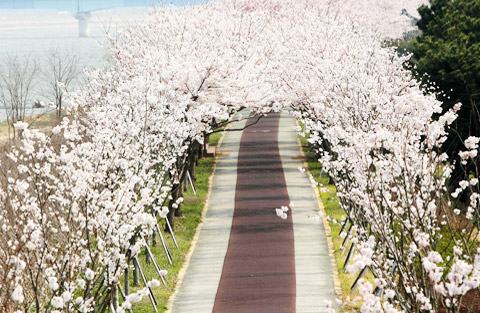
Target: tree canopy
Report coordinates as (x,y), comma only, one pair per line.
(447,59)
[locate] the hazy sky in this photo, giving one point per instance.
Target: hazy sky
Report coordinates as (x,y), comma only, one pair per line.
(83,5)
(31,29)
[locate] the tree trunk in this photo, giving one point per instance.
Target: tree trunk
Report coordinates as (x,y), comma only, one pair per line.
(171,210)
(193,169)
(115,297)
(178,210)
(127,282)
(154,238)
(147,256)
(135,274)
(200,151)
(59,112)
(205,143)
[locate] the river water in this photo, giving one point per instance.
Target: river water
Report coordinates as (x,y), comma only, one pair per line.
(31,34)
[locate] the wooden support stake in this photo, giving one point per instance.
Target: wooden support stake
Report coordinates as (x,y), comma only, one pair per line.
(349,255)
(124,296)
(344,225)
(153,301)
(344,247)
(191,183)
(354,286)
(171,232)
(346,237)
(97,293)
(155,264)
(165,248)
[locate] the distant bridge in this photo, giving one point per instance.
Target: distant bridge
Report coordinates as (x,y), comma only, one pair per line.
(82,8)
(75,6)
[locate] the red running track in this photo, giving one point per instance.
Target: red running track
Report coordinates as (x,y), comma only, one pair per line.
(259,270)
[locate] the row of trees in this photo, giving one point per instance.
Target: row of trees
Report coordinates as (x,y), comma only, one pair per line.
(380,137)
(78,206)
(24,82)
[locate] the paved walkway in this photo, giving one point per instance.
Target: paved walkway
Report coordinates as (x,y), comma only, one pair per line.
(246,258)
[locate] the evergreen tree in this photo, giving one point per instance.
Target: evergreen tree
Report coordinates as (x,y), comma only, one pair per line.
(447,58)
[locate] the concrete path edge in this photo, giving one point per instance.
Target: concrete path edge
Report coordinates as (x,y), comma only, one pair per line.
(326,225)
(188,256)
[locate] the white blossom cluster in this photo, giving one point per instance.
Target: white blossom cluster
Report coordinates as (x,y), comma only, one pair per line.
(77,205)
(377,138)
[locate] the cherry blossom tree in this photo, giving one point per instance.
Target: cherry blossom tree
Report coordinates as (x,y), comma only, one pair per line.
(77,206)
(373,128)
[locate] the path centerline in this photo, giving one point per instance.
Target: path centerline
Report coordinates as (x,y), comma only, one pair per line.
(308,281)
(258,273)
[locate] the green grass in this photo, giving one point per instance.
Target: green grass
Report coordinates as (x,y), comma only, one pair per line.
(334,210)
(185,228)
(214,139)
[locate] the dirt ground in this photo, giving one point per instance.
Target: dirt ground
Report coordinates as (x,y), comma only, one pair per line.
(44,123)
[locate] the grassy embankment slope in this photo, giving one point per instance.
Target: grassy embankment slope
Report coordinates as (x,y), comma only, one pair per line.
(185,228)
